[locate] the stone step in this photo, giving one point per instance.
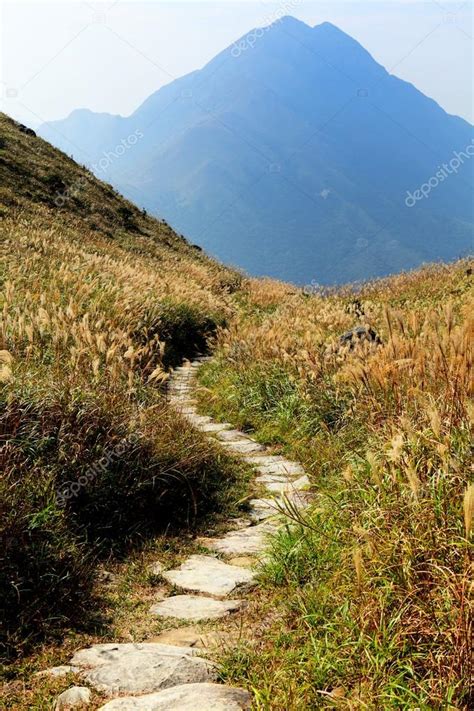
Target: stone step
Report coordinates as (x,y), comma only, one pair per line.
(186,409)
(245,446)
(264,459)
(197,420)
(284,467)
(186,697)
(243,542)
(286,487)
(143,668)
(205,574)
(272,478)
(194,607)
(261,509)
(213,427)
(195,636)
(72,698)
(232,436)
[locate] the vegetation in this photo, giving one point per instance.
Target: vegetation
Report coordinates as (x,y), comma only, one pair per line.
(371,584)
(365,599)
(91,318)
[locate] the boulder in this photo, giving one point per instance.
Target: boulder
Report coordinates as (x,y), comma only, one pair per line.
(358,335)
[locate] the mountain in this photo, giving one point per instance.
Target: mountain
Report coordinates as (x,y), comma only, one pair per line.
(294,154)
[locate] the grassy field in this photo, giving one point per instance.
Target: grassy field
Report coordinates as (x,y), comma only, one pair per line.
(366,600)
(372,585)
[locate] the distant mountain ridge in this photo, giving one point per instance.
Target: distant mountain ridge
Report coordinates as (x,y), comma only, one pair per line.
(292,155)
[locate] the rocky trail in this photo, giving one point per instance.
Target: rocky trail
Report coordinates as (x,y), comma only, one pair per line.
(177,673)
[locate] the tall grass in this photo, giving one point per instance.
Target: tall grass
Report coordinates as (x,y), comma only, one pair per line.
(94,311)
(373,583)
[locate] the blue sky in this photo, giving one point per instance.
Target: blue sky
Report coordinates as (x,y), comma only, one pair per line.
(111,55)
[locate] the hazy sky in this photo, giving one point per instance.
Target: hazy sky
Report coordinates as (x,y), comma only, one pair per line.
(111,55)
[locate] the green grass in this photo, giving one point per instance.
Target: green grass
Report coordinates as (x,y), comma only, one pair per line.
(365,598)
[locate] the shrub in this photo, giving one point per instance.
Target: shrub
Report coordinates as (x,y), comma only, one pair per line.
(185,329)
(76,485)
(45,569)
(55,184)
(126,217)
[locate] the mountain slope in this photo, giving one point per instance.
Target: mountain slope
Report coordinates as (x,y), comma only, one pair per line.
(291,157)
(97,301)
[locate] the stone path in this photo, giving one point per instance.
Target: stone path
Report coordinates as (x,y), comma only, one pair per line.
(178,676)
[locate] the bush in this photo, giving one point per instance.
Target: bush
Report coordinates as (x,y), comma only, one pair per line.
(185,329)
(126,217)
(76,485)
(45,569)
(55,184)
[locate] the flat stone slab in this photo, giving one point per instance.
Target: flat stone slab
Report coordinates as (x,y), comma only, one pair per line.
(181,403)
(141,668)
(299,499)
(283,468)
(232,436)
(283,487)
(186,410)
(212,427)
(243,542)
(197,420)
(195,608)
(75,697)
(265,459)
(244,446)
(181,636)
(187,697)
(302,483)
(194,636)
(272,479)
(62,670)
(260,509)
(205,574)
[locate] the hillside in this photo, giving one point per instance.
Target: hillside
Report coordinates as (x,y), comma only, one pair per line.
(97,302)
(362,599)
(291,156)
(366,600)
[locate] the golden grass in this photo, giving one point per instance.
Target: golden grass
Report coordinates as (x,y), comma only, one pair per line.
(374,582)
(97,302)
(370,592)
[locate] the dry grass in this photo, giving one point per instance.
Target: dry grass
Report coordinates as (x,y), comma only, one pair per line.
(97,301)
(367,599)
(375,580)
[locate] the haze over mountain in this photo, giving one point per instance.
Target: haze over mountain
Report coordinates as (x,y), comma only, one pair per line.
(290,154)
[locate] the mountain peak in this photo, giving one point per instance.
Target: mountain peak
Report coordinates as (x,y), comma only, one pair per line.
(328,26)
(290,21)
(332,33)
(312,101)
